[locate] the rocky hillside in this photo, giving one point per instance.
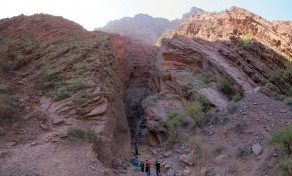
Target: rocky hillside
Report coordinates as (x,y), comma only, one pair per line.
(239,24)
(144,27)
(210,116)
(61,99)
(205,102)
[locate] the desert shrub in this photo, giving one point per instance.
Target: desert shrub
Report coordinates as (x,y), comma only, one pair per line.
(207,78)
(288,101)
(246,36)
(8,107)
(4,89)
(194,110)
(284,168)
(282,137)
(203,100)
(243,152)
(273,87)
(81,101)
(196,71)
(218,151)
(88,134)
(197,144)
(236,97)
(68,88)
(17,53)
(290,91)
(226,87)
(210,117)
(175,117)
(287,73)
(239,128)
(46,78)
(174,97)
(244,40)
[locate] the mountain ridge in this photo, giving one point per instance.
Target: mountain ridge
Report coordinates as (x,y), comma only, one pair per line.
(145,27)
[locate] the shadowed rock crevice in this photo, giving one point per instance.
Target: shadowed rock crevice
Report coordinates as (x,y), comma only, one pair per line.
(142,79)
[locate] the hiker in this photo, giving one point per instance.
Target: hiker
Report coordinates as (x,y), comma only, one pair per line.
(142,165)
(136,151)
(157,166)
(141,135)
(148,166)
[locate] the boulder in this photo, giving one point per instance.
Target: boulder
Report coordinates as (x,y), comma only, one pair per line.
(117,163)
(188,159)
(44,127)
(167,154)
(221,159)
(58,121)
(257,149)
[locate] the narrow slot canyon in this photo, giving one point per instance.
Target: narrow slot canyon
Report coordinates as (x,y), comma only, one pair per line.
(142,80)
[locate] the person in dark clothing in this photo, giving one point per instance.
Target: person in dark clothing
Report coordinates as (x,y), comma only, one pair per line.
(136,151)
(142,165)
(157,166)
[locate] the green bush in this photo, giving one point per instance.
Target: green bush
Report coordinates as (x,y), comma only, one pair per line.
(88,134)
(175,117)
(207,78)
(284,168)
(8,107)
(203,100)
(282,137)
(288,101)
(196,71)
(236,97)
(273,87)
(290,91)
(246,36)
(4,89)
(226,87)
(194,110)
(210,117)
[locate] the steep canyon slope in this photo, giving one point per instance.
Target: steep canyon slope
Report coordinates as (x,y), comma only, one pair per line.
(62,99)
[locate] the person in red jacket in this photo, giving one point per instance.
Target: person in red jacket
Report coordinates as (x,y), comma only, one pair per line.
(148,166)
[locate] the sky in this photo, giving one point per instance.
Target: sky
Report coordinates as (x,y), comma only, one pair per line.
(96,13)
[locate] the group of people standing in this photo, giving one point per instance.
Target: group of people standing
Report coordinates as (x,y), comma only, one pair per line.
(147,167)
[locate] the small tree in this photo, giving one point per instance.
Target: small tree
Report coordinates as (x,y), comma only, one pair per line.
(282,137)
